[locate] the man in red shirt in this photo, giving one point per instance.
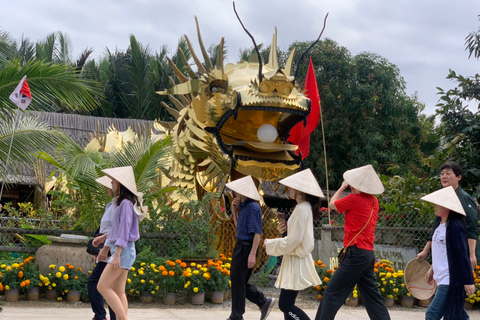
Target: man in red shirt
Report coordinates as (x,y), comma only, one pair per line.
(361,212)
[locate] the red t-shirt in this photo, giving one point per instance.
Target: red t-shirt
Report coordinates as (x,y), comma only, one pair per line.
(357,208)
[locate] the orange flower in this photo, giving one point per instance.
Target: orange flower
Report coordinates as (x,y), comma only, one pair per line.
(326,279)
(171,273)
(20,274)
(178,261)
(165,273)
(1,287)
(319,297)
(22,284)
(183,265)
(27,282)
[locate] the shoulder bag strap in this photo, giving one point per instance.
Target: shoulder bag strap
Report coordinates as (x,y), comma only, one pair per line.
(371,213)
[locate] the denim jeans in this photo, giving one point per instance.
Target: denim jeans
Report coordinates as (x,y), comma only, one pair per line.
(435,309)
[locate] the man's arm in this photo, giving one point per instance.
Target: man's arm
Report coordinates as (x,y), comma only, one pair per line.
(252,257)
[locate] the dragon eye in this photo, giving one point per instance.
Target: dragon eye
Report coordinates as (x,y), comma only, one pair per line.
(214,89)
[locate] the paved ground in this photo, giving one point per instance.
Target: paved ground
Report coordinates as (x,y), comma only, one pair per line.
(63,311)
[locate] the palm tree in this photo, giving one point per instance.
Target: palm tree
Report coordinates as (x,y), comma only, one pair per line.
(80,167)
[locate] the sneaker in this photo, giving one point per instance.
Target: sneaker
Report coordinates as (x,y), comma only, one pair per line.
(266,308)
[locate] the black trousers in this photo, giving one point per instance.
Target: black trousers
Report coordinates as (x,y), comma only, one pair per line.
(356,269)
(239,276)
(287,305)
(96,299)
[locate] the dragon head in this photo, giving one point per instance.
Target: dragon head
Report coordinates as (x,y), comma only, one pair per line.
(220,110)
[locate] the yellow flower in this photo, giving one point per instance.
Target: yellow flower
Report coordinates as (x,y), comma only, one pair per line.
(58,274)
(129,280)
(61,269)
(142,264)
(153,292)
(54,285)
(132,269)
(142,281)
(195,289)
(195,272)
(65,277)
(59,299)
(15,265)
(3,266)
(140,272)
(152,265)
(7,287)
(52,266)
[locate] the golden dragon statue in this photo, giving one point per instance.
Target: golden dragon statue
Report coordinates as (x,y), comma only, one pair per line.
(232,121)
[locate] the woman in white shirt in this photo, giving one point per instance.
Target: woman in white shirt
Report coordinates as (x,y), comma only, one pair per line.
(298,270)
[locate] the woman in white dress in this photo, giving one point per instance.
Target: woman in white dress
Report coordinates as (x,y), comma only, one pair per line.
(298,270)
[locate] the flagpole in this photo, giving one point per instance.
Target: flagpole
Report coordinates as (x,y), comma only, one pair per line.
(326,166)
(21,97)
(8,154)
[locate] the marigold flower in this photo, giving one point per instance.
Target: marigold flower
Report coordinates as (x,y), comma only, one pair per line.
(61,269)
(58,274)
(65,277)
(195,289)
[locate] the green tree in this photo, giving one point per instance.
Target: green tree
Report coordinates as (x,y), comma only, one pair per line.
(368,117)
(460,125)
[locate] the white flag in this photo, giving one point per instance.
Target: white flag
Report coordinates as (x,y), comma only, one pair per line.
(21,96)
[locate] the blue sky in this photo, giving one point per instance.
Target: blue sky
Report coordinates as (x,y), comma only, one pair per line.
(423,38)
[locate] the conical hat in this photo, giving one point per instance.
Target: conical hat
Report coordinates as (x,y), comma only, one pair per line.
(105,181)
(305,182)
(246,187)
(124,175)
(415,281)
(447,198)
(364,179)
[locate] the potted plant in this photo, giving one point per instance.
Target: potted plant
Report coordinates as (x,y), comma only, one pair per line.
(49,283)
(172,280)
(384,272)
(32,279)
(196,277)
(144,281)
(12,280)
(325,275)
(219,280)
(73,282)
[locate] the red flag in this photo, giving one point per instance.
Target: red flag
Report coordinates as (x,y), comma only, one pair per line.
(300,134)
(21,96)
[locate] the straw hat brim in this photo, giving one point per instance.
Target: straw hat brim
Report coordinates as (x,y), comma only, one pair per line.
(105,181)
(125,176)
(245,186)
(447,198)
(415,281)
(305,182)
(364,179)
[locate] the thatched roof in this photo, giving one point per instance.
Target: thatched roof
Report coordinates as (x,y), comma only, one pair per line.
(80,128)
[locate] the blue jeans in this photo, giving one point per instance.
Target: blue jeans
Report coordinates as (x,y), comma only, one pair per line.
(435,309)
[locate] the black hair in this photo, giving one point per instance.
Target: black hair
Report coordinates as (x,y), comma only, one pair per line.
(124,193)
(315,203)
(455,167)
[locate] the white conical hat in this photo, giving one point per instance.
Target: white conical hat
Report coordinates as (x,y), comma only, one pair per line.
(364,179)
(139,208)
(415,281)
(246,187)
(105,181)
(305,182)
(447,198)
(124,175)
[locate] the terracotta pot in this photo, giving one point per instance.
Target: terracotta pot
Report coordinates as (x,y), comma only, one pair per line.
(170,298)
(217,297)
(226,294)
(146,297)
(468,306)
(51,294)
(389,302)
(198,298)
(12,295)
(424,303)
(32,293)
(351,301)
(74,295)
(407,301)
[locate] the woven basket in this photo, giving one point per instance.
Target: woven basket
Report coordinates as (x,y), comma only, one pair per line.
(415,282)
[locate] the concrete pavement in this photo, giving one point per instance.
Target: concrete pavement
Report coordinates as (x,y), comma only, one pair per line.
(63,311)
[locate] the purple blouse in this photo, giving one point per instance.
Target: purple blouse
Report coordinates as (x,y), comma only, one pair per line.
(124,225)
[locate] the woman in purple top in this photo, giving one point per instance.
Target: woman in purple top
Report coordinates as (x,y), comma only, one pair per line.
(120,241)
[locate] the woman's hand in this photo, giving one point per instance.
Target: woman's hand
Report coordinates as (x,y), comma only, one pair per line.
(429,276)
(265,243)
(282,227)
(99,240)
(103,254)
(470,289)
